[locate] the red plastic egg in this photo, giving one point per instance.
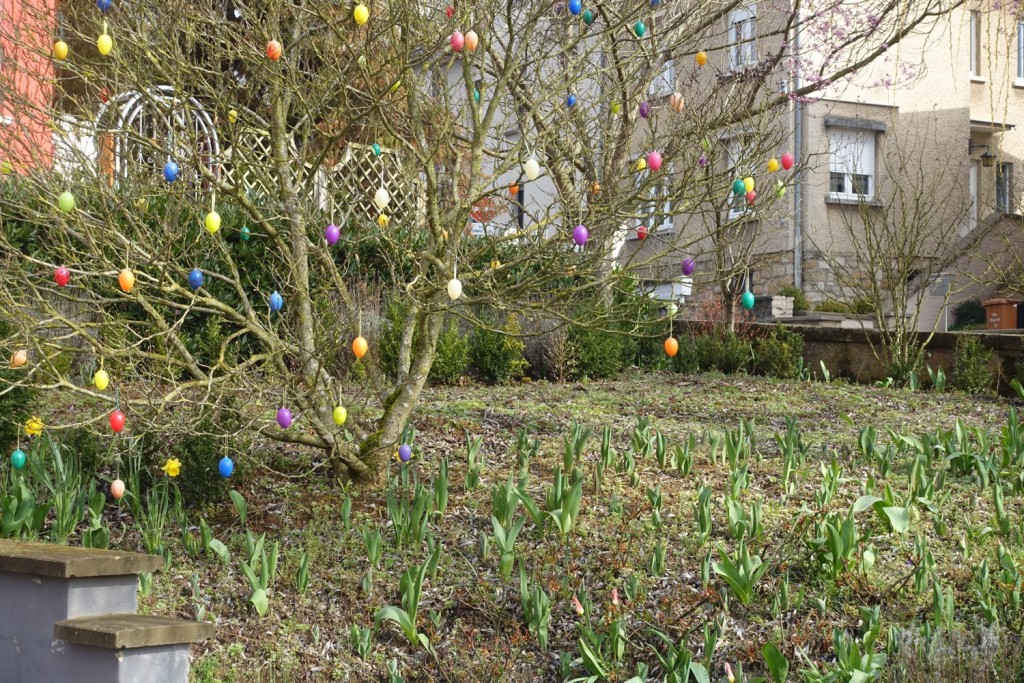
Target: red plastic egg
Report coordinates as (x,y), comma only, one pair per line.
(62,276)
(274,50)
(117,421)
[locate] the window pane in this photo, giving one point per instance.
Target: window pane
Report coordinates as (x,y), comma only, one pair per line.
(861,184)
(1020,51)
(837,182)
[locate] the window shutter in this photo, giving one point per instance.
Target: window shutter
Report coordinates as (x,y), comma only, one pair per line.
(851,152)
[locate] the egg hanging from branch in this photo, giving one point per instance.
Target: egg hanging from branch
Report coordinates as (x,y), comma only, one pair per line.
(381,198)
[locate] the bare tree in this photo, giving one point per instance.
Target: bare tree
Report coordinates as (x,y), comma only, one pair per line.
(889,251)
(221,139)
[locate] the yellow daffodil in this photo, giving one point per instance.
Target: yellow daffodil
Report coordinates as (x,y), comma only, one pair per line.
(172,468)
(34,426)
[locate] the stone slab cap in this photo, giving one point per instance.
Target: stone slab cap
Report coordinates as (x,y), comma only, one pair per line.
(65,562)
(117,631)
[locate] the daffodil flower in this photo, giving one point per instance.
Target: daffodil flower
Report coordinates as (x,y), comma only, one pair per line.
(172,467)
(34,426)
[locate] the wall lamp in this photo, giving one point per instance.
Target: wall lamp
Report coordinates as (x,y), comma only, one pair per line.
(988,159)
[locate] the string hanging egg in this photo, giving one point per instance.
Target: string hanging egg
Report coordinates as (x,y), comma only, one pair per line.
(748,184)
(580,235)
(575,7)
(62,276)
(101,379)
(105,44)
(773,165)
(472,40)
(195,278)
(274,50)
(671,310)
(405,452)
(654,161)
(103,5)
(226,466)
(677,102)
(383,220)
(18,459)
(457,41)
(244,234)
(360,346)
(454,288)
(60,50)
(19,358)
(212,222)
(531,168)
(361,14)
(738,186)
(671,347)
(66,202)
(641,233)
(644,110)
(751,197)
(787,161)
(284,418)
(570,101)
(747,300)
(171,171)
(702,58)
(381,198)
(375,148)
(332,234)
(639,28)
(688,266)
(588,17)
(340,414)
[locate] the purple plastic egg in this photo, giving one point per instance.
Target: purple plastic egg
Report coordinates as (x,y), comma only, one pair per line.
(284,418)
(332,234)
(644,110)
(580,234)
(688,266)
(405,452)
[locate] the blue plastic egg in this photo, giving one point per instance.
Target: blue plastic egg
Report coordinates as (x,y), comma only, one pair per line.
(103,5)
(195,278)
(575,6)
(171,171)
(226,466)
(405,452)
(276,302)
(570,100)
(245,233)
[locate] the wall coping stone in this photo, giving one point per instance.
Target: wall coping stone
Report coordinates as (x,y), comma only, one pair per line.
(118,631)
(65,562)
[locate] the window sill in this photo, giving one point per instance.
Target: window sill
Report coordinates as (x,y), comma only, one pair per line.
(850,201)
(978,79)
(1019,83)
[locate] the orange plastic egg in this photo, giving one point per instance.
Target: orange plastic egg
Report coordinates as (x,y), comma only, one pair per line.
(19,358)
(671,347)
(126,278)
(274,50)
(360,347)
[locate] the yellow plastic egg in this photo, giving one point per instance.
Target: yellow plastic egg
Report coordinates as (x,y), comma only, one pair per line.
(60,50)
(105,44)
(773,165)
(101,379)
(212,222)
(340,415)
(361,14)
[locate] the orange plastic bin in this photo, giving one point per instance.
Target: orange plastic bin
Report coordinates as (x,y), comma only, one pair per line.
(1001,314)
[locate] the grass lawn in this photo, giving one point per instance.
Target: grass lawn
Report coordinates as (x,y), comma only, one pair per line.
(473,621)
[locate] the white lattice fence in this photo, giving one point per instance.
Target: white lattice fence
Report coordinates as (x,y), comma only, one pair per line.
(351,184)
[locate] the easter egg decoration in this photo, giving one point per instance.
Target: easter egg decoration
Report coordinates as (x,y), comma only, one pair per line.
(117,420)
(449,11)
(616,108)
(472,40)
(644,110)
(639,28)
(702,160)
(117,489)
(212,222)
(383,220)
(66,202)
(588,17)
(747,300)
(689,265)
(19,358)
(513,191)
(18,459)
(375,148)
(62,276)
(381,198)
(780,189)
(276,302)
(457,41)
(332,234)
(671,347)
(361,14)
(773,165)
(60,50)
(274,50)
(476,95)
(641,164)
(245,233)
(787,161)
(103,5)
(126,278)
(105,44)
(575,7)
(531,168)
(101,379)
(702,58)
(171,171)
(360,347)
(751,197)
(570,101)
(671,310)
(284,418)
(405,452)
(195,278)
(595,188)
(738,186)
(748,184)
(654,161)
(232,116)
(677,102)
(641,233)
(226,466)
(580,235)
(339,415)
(454,288)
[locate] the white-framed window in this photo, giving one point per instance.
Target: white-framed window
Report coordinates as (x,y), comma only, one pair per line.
(665,82)
(656,211)
(742,38)
(739,163)
(1004,188)
(975,43)
(1020,53)
(851,163)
